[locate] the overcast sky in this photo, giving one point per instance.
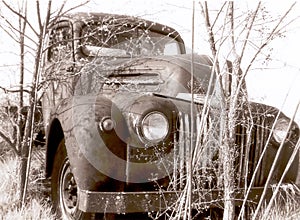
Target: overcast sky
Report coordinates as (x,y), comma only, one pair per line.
(269,86)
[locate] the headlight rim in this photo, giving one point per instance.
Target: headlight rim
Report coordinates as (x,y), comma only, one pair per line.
(279,138)
(141,131)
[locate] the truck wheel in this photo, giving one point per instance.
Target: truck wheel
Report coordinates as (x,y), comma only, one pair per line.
(64,188)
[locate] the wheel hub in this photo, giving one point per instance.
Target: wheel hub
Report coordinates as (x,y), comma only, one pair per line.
(68,190)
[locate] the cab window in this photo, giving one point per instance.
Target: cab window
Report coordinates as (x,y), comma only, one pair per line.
(60,44)
(116,40)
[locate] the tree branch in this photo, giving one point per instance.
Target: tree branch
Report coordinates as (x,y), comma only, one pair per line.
(39,15)
(270,38)
(11,143)
(211,39)
(21,16)
(249,31)
(218,14)
(12,30)
(13,90)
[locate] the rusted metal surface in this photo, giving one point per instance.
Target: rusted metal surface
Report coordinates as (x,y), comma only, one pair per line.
(130,202)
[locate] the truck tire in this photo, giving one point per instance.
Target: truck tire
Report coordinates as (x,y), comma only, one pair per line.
(64,188)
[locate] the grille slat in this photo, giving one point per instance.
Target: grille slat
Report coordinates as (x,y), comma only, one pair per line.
(240,138)
(260,145)
(183,151)
(251,142)
(183,129)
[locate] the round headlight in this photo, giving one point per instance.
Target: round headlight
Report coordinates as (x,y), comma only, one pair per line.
(155,127)
(280,130)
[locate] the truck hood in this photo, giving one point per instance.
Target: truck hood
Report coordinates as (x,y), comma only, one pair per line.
(166,75)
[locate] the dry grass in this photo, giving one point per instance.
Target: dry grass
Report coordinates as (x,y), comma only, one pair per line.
(286,205)
(37,206)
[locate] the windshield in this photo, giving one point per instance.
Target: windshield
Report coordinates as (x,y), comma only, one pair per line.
(125,40)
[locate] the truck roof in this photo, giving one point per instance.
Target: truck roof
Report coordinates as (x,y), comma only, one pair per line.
(134,21)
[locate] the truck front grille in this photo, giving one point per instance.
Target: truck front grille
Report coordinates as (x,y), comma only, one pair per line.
(251,136)
(189,146)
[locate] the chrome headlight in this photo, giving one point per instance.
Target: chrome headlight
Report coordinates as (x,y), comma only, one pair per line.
(154,127)
(280,131)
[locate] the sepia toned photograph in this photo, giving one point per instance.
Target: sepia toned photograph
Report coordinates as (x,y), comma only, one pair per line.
(149,110)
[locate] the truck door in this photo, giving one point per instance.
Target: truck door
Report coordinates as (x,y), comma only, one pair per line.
(58,67)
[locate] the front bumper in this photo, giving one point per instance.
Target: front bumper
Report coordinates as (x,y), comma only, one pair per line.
(154,201)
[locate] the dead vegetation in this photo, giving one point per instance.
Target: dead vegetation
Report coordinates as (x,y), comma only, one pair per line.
(286,205)
(37,204)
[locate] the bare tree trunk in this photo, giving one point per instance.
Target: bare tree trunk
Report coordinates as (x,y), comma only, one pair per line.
(227,152)
(227,125)
(228,149)
(20,120)
(28,135)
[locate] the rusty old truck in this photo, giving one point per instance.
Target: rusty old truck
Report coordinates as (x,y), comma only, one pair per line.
(125,111)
